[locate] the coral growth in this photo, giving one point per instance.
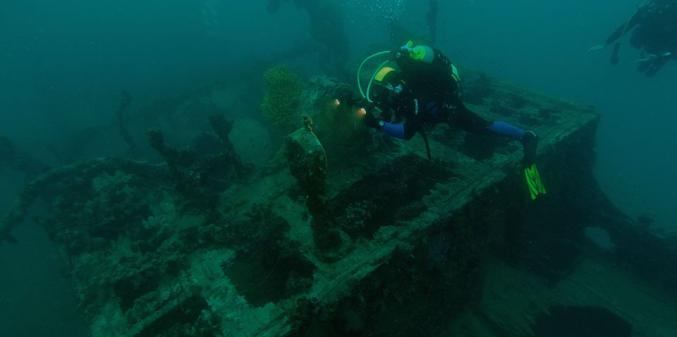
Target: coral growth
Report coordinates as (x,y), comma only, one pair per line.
(283,89)
(382,242)
(388,195)
(90,202)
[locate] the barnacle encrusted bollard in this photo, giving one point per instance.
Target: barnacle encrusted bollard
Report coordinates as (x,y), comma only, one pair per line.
(283,89)
(308,164)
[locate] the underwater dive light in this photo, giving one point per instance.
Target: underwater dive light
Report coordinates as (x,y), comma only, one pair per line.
(361,112)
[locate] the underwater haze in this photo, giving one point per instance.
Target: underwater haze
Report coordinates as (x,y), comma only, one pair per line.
(64,66)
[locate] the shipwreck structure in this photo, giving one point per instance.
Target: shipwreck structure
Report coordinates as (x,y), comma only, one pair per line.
(347,233)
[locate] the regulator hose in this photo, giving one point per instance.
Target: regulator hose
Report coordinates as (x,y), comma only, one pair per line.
(366,94)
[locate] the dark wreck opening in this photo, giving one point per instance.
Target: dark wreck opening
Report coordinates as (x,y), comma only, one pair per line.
(270,273)
(581,321)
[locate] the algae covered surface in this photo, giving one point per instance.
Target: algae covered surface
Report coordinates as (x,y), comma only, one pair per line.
(344,232)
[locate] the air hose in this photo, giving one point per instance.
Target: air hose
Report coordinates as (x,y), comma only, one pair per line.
(367,94)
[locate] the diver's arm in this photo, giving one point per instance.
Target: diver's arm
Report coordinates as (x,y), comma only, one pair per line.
(635,20)
(619,32)
(616,35)
(627,26)
(402,130)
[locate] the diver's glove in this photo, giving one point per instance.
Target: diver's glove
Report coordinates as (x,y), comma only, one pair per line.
(371,121)
(530,143)
(365,112)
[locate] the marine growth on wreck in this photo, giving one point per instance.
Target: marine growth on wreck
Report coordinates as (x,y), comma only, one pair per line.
(260,200)
(348,233)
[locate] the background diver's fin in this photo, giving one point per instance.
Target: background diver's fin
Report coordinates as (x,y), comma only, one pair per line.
(596,48)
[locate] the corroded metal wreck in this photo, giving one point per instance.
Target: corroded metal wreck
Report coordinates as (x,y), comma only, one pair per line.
(345,233)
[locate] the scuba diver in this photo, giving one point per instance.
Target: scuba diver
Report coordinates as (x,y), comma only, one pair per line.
(418,86)
(654,33)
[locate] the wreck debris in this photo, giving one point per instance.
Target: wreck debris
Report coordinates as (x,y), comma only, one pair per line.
(420,248)
(73,186)
(198,177)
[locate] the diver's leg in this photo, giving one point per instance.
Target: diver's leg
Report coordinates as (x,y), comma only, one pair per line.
(467,120)
(472,122)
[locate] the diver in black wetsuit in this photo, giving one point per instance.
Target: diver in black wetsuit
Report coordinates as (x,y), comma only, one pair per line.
(420,86)
(654,33)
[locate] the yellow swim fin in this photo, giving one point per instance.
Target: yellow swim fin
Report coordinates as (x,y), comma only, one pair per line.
(534,183)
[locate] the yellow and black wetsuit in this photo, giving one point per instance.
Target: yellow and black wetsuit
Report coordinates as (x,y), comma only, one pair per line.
(422,87)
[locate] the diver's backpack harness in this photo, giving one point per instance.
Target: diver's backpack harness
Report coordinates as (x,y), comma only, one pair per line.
(422,54)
